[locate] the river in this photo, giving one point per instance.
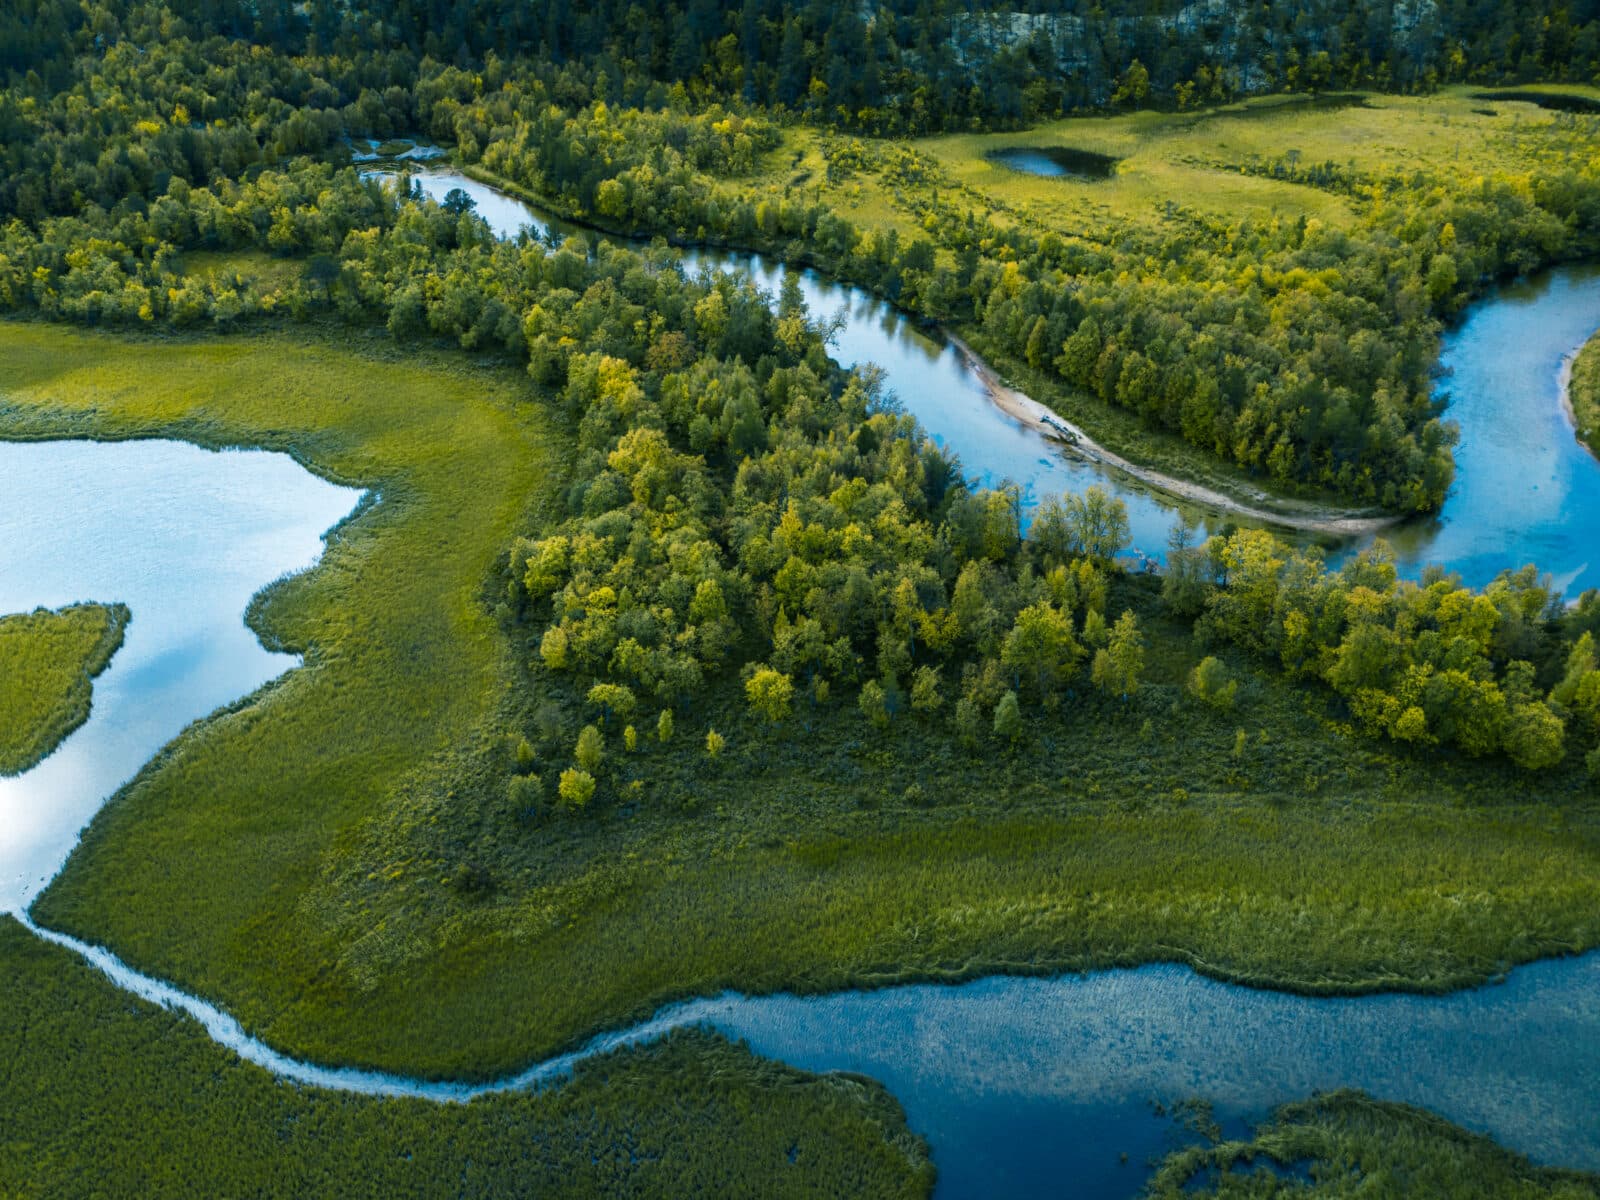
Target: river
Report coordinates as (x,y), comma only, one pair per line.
(1525,490)
(1021,1085)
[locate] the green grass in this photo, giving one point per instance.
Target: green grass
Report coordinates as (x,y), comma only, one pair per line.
(1354,1146)
(1584,394)
(107,1096)
(339,864)
(48,661)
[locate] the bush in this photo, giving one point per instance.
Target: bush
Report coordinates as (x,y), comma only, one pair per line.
(1209,683)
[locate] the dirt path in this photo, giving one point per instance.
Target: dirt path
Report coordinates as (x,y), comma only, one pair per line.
(1030,412)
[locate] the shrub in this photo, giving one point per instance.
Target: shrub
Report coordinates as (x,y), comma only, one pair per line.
(577,788)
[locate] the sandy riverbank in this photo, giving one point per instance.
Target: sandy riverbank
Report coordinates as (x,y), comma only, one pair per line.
(1030,412)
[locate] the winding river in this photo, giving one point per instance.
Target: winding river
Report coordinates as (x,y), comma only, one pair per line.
(1021,1085)
(1525,490)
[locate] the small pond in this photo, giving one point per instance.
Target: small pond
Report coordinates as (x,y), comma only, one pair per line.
(1056,162)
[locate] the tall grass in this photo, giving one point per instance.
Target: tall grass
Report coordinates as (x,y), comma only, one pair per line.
(1346,1144)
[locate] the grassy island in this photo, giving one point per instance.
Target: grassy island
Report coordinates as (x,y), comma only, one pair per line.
(48,661)
(1346,1144)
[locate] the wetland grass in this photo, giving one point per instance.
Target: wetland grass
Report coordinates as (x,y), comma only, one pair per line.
(48,661)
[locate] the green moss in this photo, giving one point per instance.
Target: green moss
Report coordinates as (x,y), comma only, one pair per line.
(1584,394)
(48,661)
(107,1096)
(1345,1144)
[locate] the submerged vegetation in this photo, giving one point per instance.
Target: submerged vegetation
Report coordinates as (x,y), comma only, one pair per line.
(48,661)
(1583,394)
(109,1096)
(1345,1144)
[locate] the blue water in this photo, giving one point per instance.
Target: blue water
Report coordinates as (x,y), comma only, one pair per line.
(184,537)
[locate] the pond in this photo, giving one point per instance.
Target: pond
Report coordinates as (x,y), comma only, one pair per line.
(1056,162)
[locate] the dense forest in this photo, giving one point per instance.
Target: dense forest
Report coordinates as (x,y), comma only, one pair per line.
(904,66)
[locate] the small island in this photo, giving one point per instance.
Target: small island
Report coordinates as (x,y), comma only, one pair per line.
(1583,395)
(48,662)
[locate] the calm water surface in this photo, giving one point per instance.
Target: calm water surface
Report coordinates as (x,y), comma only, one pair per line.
(182,536)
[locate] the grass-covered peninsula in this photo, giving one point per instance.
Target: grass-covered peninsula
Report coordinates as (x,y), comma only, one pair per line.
(48,661)
(114,1097)
(1347,1145)
(1583,394)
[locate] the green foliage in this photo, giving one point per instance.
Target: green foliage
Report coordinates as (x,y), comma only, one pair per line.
(591,749)
(1117,666)
(1351,1145)
(874,704)
(576,788)
(1008,718)
(1422,663)
(715,743)
(48,661)
(770,693)
(1209,682)
(1583,394)
(127,1099)
(664,726)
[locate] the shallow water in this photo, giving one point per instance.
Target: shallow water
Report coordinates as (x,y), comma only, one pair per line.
(182,536)
(1525,491)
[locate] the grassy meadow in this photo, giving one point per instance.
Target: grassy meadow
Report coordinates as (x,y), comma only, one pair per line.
(48,661)
(116,1097)
(1584,394)
(1346,1144)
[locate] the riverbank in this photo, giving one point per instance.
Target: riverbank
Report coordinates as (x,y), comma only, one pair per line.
(1072,437)
(113,1095)
(1284,513)
(1580,394)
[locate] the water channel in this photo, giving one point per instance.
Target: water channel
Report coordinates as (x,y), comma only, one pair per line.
(1021,1085)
